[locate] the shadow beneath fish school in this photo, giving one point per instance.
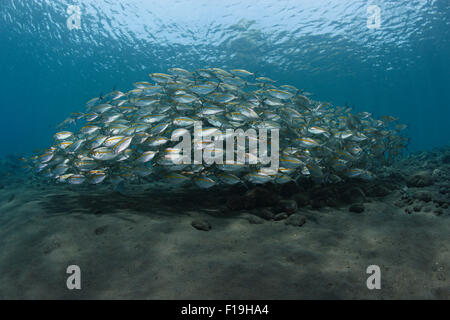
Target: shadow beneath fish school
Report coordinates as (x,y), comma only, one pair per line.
(141,201)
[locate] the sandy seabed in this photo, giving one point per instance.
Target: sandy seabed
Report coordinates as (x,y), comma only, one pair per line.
(144,245)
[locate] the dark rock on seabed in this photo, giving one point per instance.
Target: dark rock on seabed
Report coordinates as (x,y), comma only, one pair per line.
(420,179)
(201,225)
(357,207)
(446,159)
(281,216)
(100,230)
(425,196)
(296,220)
(301,198)
(252,219)
(289,206)
(265,213)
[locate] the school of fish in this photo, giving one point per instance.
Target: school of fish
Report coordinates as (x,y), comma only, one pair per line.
(126,137)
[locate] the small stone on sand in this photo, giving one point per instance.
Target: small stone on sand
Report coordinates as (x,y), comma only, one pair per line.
(423,195)
(357,207)
(280,216)
(252,219)
(420,179)
(100,230)
(296,220)
(201,225)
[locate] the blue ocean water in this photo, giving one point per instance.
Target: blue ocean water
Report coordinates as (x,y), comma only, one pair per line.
(334,49)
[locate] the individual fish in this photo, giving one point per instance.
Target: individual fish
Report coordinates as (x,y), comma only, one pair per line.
(179,72)
(46,157)
(92,102)
(220,72)
(176,178)
(211,110)
(153,118)
(282,178)
(63,135)
(103,153)
(117,129)
(60,169)
(203,89)
(146,156)
(141,137)
(142,84)
(265,80)
(111,117)
(221,97)
(64,177)
(76,179)
(159,128)
(280,94)
(203,182)
(160,77)
(151,90)
(144,101)
(307,142)
(156,141)
(183,122)
(89,129)
(400,127)
(96,176)
(257,178)
(101,108)
(112,141)
(91,116)
(290,162)
(318,131)
(122,144)
(360,173)
(75,146)
(185,98)
(85,165)
(228,178)
(241,73)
